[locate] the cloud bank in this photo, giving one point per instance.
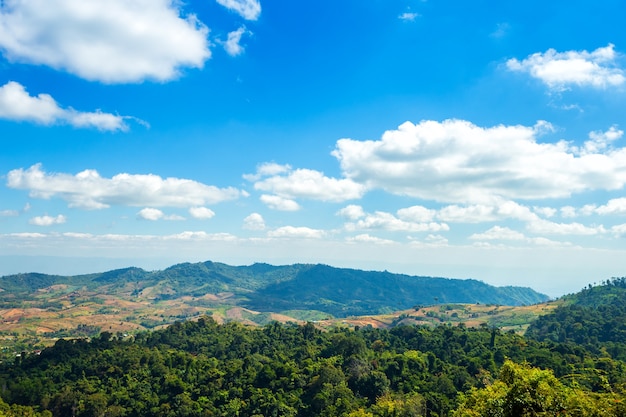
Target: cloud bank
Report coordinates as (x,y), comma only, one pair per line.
(559,70)
(112,41)
(89,190)
(455,161)
(16,104)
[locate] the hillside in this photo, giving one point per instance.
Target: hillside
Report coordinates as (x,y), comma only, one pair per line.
(200,368)
(264,287)
(351,292)
(36,309)
(594,317)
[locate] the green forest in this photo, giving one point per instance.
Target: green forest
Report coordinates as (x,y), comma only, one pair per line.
(571,362)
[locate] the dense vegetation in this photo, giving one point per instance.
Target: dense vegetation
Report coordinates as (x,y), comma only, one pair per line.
(595,318)
(202,368)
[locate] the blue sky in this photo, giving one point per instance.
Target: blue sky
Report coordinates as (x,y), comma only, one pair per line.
(448,138)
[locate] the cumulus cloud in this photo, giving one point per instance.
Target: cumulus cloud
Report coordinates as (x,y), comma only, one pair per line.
(418,214)
(150,214)
(613,206)
(16,104)
(546,227)
(500,233)
(279,203)
(619,230)
(248,9)
(456,161)
(232,45)
(599,141)
(267,169)
(307,184)
(201,213)
(89,190)
(254,222)
(431,241)
(351,212)
(479,213)
(153,214)
(558,70)
(113,41)
(366,238)
(48,220)
(296,232)
(380,220)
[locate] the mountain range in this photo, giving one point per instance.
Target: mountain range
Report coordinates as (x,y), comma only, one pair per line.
(340,292)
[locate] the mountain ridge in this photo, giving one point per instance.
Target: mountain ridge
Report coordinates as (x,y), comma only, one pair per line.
(264,287)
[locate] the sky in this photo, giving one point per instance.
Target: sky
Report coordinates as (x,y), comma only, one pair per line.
(451,138)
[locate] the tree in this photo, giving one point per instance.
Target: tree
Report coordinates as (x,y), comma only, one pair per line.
(522,391)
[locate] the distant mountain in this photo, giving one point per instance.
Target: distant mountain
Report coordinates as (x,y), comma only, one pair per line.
(346,292)
(337,291)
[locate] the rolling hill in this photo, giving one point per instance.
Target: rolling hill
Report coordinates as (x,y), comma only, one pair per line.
(337,291)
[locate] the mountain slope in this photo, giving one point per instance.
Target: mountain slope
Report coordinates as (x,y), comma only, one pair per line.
(344,292)
(594,316)
(264,287)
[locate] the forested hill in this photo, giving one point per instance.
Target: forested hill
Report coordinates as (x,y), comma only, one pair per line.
(595,316)
(203,369)
(264,287)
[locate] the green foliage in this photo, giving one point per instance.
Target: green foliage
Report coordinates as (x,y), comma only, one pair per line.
(523,391)
(594,317)
(201,368)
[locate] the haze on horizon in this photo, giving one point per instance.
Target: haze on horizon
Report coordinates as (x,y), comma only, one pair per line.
(481,140)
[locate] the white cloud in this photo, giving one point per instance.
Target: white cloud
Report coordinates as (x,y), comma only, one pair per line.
(9,213)
(545,211)
(202,213)
(310,184)
(568,212)
(232,44)
(616,206)
(153,214)
(558,70)
(456,161)
(386,221)
(279,203)
(436,240)
(417,214)
(267,169)
(619,230)
(48,220)
(499,233)
(599,141)
(89,190)
(248,9)
(297,232)
(542,226)
(150,214)
(365,238)
(113,41)
(506,234)
(408,16)
(351,212)
(254,222)
(16,104)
